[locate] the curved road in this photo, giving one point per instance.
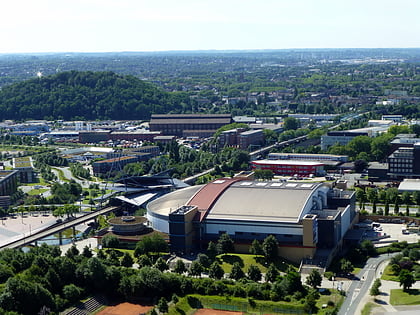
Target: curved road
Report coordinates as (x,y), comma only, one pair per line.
(361,285)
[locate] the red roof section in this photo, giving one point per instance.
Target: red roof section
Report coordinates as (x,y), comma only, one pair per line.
(207,196)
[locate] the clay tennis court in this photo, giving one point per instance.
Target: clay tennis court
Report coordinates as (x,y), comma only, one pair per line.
(207,311)
(125,309)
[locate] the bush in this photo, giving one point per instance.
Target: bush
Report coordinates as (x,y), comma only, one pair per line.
(328,275)
(110,241)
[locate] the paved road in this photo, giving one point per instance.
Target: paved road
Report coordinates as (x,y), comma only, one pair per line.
(361,285)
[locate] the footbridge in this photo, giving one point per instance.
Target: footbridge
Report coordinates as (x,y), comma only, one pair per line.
(56,228)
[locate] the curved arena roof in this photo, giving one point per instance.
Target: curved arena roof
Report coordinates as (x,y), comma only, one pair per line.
(233,199)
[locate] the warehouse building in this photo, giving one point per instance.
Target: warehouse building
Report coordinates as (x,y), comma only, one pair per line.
(295,213)
(189,125)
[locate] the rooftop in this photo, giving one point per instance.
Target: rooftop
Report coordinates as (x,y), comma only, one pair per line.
(263,201)
(288,162)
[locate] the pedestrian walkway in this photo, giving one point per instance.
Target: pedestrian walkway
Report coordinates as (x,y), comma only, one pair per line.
(382,302)
(80,245)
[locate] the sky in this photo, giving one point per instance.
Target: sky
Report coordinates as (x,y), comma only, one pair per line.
(29,26)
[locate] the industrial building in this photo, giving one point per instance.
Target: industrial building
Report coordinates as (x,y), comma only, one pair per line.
(295,213)
(189,125)
(96,136)
(339,137)
(112,165)
(242,139)
(308,157)
(290,167)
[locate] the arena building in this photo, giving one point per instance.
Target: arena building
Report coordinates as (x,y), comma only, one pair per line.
(295,213)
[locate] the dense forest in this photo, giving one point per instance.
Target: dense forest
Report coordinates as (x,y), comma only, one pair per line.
(86,96)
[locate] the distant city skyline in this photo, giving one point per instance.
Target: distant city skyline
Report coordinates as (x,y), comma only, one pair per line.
(165,25)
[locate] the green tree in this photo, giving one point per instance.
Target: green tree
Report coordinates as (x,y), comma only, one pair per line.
(72,293)
(236,273)
(368,248)
(144,261)
(397,206)
(374,290)
(386,210)
(314,279)
(87,252)
(310,301)
(256,248)
(127,260)
(291,123)
(406,198)
(211,250)
(162,305)
(416,197)
(272,273)
(24,297)
(359,144)
(225,244)
(215,271)
(180,267)
(196,269)
(110,241)
(346,266)
(161,264)
(270,248)
(406,279)
(151,244)
(254,273)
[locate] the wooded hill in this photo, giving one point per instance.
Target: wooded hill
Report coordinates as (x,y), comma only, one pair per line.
(75,95)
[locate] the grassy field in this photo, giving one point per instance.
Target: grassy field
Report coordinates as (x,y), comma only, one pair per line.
(34,192)
(399,297)
(333,296)
(246,260)
(389,275)
(242,304)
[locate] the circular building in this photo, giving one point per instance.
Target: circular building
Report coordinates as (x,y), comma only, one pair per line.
(128,225)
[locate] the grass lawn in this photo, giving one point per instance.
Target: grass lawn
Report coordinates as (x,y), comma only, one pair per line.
(34,192)
(182,307)
(356,270)
(367,309)
(399,297)
(331,295)
(389,275)
(246,260)
(241,304)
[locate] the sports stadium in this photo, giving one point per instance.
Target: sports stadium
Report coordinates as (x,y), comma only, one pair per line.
(294,212)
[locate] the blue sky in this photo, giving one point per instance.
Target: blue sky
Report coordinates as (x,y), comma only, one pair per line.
(159,25)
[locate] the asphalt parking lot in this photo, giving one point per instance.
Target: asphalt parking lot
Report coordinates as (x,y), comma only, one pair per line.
(387,233)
